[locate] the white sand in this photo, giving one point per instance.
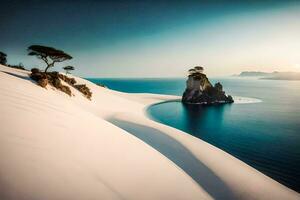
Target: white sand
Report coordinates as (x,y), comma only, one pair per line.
(53,146)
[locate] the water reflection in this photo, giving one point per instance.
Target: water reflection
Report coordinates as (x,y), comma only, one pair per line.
(199,117)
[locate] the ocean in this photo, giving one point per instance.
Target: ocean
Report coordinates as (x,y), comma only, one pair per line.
(264,135)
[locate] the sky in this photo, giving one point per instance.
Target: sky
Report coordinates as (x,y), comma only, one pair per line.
(155,38)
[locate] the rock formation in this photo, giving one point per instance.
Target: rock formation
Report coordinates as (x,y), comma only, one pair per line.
(200,91)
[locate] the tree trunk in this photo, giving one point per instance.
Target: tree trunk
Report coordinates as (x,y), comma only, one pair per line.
(48,66)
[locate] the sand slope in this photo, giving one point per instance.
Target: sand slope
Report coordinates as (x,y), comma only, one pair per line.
(53,146)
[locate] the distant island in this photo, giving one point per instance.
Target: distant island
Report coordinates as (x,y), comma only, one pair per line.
(271,75)
(199,90)
(253,73)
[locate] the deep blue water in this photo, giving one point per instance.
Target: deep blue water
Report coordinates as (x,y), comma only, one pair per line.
(265,135)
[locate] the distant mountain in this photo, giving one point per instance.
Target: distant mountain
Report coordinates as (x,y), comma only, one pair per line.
(253,73)
(271,76)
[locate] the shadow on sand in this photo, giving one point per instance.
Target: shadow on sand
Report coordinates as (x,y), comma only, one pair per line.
(25,76)
(180,155)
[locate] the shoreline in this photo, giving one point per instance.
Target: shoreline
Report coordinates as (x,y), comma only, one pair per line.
(108,148)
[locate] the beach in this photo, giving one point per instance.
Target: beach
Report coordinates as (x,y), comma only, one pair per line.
(54,146)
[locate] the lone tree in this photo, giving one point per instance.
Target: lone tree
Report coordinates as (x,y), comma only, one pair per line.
(49,55)
(199,69)
(68,69)
(3,59)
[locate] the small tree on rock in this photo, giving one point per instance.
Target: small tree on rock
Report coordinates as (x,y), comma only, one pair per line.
(68,69)
(3,59)
(199,69)
(49,55)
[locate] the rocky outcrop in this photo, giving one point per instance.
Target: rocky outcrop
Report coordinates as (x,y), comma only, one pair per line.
(200,91)
(55,79)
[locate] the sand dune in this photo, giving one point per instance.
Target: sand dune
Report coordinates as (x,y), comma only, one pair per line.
(53,146)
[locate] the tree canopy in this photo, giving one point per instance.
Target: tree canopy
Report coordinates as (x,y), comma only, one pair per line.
(3,59)
(49,55)
(199,69)
(196,70)
(68,69)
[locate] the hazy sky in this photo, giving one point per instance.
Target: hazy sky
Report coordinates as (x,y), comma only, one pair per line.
(155,38)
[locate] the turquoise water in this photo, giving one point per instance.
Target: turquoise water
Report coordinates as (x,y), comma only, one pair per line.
(265,135)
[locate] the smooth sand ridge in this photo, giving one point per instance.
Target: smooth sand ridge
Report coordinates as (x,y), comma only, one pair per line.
(54,146)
